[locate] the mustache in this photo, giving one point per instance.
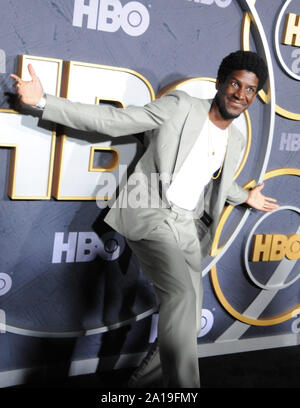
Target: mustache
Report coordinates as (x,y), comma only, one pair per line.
(233,99)
(223,111)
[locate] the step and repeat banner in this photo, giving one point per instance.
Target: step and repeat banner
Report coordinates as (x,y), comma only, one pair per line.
(72,295)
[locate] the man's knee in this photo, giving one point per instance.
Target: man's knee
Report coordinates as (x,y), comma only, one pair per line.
(183,298)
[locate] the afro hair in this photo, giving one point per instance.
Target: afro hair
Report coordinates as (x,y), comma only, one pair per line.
(243,60)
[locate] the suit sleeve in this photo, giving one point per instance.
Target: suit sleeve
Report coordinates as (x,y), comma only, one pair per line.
(110,120)
(236,194)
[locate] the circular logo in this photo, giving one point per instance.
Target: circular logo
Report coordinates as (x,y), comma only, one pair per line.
(207,321)
(286,38)
(274,250)
(113,246)
(5,283)
(246,317)
(288,35)
(135,18)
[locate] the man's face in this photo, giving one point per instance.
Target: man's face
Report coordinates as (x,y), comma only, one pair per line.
(236,93)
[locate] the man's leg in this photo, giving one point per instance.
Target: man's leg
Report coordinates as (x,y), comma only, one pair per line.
(177,283)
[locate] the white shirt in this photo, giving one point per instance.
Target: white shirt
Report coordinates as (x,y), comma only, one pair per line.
(204,159)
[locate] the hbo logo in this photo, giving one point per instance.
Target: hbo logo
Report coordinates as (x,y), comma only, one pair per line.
(273,247)
(110,15)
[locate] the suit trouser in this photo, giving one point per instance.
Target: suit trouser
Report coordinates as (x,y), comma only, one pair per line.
(170,258)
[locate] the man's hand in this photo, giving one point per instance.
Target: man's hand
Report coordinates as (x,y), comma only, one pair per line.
(260,202)
(30,92)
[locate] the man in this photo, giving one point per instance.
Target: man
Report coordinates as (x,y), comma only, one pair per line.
(194,151)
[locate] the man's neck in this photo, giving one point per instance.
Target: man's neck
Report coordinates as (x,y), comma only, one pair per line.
(216,118)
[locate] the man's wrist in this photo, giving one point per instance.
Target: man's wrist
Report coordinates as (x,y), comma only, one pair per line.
(249,199)
(42,102)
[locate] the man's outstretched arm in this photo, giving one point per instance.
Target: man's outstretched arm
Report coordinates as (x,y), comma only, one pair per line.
(253,198)
(103,119)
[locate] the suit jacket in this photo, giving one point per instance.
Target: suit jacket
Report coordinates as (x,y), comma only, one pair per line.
(176,121)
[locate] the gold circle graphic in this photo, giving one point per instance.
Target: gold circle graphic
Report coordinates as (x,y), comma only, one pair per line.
(262,94)
(214,276)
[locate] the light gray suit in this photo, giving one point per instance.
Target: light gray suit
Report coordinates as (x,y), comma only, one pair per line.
(176,121)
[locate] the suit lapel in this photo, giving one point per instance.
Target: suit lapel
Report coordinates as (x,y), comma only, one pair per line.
(232,155)
(191,129)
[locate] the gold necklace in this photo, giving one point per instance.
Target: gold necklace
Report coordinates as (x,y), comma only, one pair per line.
(213,152)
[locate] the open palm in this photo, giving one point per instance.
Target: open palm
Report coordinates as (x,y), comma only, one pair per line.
(260,202)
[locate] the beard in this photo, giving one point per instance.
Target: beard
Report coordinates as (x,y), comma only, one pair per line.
(223,111)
